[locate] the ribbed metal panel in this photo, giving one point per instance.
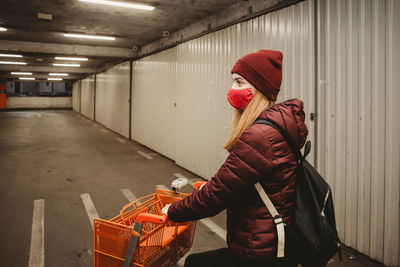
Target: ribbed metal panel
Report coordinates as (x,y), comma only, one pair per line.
(359,128)
(203,114)
(87,97)
(203,79)
(199,124)
(112,98)
(153,102)
(76,96)
(392,138)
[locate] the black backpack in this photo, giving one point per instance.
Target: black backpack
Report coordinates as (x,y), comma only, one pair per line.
(314,224)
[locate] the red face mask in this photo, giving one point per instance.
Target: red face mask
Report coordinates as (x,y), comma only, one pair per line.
(240,98)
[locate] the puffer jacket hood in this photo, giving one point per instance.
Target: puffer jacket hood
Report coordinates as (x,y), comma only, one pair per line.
(289,115)
(260,155)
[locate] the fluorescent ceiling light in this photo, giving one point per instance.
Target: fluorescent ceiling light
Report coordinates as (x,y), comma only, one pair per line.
(87,36)
(21,73)
(12,63)
(72,58)
(10,55)
(2,29)
(45,16)
(119,4)
(25,78)
(58,74)
(54,79)
(66,65)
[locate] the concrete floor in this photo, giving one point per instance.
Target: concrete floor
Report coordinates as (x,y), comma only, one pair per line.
(59,155)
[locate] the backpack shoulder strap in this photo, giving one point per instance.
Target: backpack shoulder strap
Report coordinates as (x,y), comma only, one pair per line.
(277,220)
(267,201)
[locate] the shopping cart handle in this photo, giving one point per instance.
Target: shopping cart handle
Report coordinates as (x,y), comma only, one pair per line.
(147,217)
(198,184)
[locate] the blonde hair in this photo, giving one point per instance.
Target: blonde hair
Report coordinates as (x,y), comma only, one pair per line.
(243,119)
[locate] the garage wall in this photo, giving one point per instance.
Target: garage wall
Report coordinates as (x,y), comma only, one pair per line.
(39,102)
(76,96)
(154,102)
(359,127)
(196,77)
(112,98)
(203,114)
(87,97)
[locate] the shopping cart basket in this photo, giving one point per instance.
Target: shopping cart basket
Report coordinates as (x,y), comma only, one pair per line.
(141,236)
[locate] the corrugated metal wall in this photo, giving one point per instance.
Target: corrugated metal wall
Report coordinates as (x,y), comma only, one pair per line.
(196,76)
(153,103)
(359,127)
(203,80)
(76,96)
(87,97)
(112,98)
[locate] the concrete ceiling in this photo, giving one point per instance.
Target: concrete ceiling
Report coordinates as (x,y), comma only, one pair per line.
(39,39)
(138,33)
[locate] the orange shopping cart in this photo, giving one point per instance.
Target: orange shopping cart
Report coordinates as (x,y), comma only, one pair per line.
(141,236)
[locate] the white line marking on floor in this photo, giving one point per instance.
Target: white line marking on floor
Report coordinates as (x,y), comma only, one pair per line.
(147,156)
(219,231)
(120,140)
(129,195)
(104,130)
(90,209)
(36,255)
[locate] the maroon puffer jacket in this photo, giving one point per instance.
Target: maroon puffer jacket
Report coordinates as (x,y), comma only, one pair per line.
(261,154)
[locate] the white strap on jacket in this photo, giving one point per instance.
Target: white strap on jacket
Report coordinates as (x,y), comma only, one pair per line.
(277,220)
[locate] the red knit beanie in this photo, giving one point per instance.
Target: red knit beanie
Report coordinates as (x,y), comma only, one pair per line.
(263,69)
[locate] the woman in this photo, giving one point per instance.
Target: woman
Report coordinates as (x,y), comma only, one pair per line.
(258,153)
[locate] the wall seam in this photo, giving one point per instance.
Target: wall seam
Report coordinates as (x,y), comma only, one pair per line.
(130,100)
(94,97)
(316,95)
(385,134)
